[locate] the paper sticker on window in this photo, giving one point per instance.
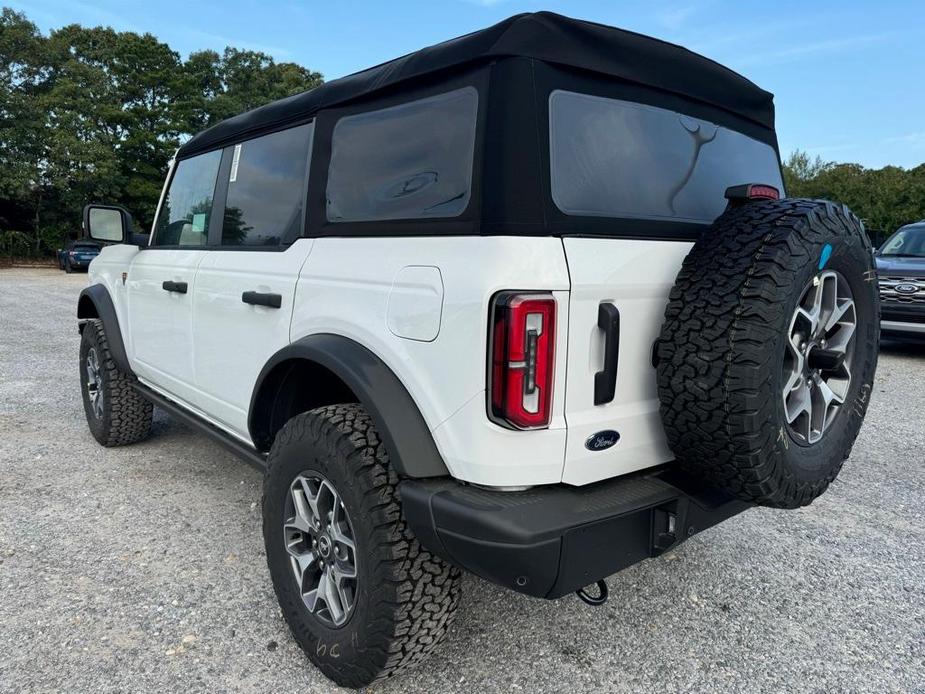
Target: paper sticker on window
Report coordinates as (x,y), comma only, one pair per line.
(234,164)
(199,222)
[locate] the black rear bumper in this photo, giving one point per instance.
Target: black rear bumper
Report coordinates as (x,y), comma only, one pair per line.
(553,540)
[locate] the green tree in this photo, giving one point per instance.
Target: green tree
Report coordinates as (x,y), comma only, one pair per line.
(884,198)
(91,114)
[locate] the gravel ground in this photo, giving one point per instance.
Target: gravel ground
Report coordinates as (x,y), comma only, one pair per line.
(142,568)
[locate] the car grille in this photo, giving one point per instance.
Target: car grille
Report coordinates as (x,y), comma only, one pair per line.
(889,295)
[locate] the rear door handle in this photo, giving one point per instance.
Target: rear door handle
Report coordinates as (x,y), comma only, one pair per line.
(605,381)
(178,287)
(262,299)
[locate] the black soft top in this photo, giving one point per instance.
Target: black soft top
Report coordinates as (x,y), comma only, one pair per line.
(543,36)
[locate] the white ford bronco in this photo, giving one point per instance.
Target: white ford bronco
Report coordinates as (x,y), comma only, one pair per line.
(529,303)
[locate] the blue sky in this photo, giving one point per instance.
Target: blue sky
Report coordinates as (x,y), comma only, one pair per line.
(848,76)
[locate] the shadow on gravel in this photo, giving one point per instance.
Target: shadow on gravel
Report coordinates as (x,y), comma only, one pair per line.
(902,346)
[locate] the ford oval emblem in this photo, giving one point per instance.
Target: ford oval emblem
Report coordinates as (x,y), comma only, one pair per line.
(602,440)
(906,288)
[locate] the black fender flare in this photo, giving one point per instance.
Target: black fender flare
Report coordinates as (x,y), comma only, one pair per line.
(411,447)
(98,295)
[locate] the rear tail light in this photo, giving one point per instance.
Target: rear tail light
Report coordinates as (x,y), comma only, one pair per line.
(521,351)
(739,195)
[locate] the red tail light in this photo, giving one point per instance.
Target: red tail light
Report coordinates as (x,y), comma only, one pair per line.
(521,351)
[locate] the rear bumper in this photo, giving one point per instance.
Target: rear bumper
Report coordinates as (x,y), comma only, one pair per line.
(553,540)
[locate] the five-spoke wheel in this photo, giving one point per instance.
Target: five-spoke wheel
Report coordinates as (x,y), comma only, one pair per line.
(320,541)
(817,371)
(94,382)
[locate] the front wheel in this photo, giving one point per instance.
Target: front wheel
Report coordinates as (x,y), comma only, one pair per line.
(363,599)
(116,413)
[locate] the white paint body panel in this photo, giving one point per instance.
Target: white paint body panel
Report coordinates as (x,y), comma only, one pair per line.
(636,276)
(416,303)
(345,288)
(160,323)
(233,340)
(421,305)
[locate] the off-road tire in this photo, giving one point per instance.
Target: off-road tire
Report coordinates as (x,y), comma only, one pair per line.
(126,414)
(720,354)
(406,596)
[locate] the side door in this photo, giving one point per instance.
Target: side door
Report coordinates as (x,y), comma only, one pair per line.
(161,279)
(245,288)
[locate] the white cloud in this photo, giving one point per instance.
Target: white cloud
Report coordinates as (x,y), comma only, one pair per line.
(674,18)
(915,139)
(795,53)
(219,42)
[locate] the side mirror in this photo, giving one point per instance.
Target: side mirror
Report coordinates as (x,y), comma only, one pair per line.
(107,223)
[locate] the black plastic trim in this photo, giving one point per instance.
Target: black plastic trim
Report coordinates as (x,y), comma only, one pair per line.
(106,310)
(553,540)
(605,380)
(248,454)
(262,299)
(175,287)
(411,447)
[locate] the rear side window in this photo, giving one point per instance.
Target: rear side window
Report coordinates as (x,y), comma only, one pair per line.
(410,161)
(612,158)
(266,188)
(187,208)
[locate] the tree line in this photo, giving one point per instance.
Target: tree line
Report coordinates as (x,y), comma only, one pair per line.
(92,114)
(885,199)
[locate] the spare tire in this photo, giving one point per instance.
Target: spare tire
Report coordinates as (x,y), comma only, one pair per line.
(767,355)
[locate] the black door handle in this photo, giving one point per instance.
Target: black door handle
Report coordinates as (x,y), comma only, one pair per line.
(605,381)
(262,299)
(178,287)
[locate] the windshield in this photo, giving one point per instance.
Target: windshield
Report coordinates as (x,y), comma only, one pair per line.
(908,241)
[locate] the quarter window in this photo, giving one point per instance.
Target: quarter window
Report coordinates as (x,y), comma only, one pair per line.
(187,207)
(612,158)
(266,188)
(410,161)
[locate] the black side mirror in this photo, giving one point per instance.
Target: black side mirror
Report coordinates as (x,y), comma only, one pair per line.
(107,223)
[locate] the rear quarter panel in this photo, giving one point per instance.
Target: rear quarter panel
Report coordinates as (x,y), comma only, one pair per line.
(345,289)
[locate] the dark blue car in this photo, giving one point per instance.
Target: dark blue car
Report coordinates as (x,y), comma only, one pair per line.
(77,255)
(901,271)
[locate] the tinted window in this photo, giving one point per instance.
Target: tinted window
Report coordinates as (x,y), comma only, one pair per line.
(908,241)
(187,208)
(266,188)
(615,158)
(406,162)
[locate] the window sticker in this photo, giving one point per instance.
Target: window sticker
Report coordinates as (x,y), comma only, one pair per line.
(199,222)
(234,164)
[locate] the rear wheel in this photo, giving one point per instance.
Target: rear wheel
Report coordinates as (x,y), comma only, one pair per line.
(769,348)
(363,599)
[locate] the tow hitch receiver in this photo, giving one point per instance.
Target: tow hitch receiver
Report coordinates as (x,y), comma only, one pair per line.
(594,601)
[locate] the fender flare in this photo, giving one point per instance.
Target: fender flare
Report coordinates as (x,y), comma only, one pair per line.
(411,447)
(98,295)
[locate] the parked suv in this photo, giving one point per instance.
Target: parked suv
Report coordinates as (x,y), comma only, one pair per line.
(77,255)
(527,303)
(901,270)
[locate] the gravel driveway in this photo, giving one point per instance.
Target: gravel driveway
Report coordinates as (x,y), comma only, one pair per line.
(142,568)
